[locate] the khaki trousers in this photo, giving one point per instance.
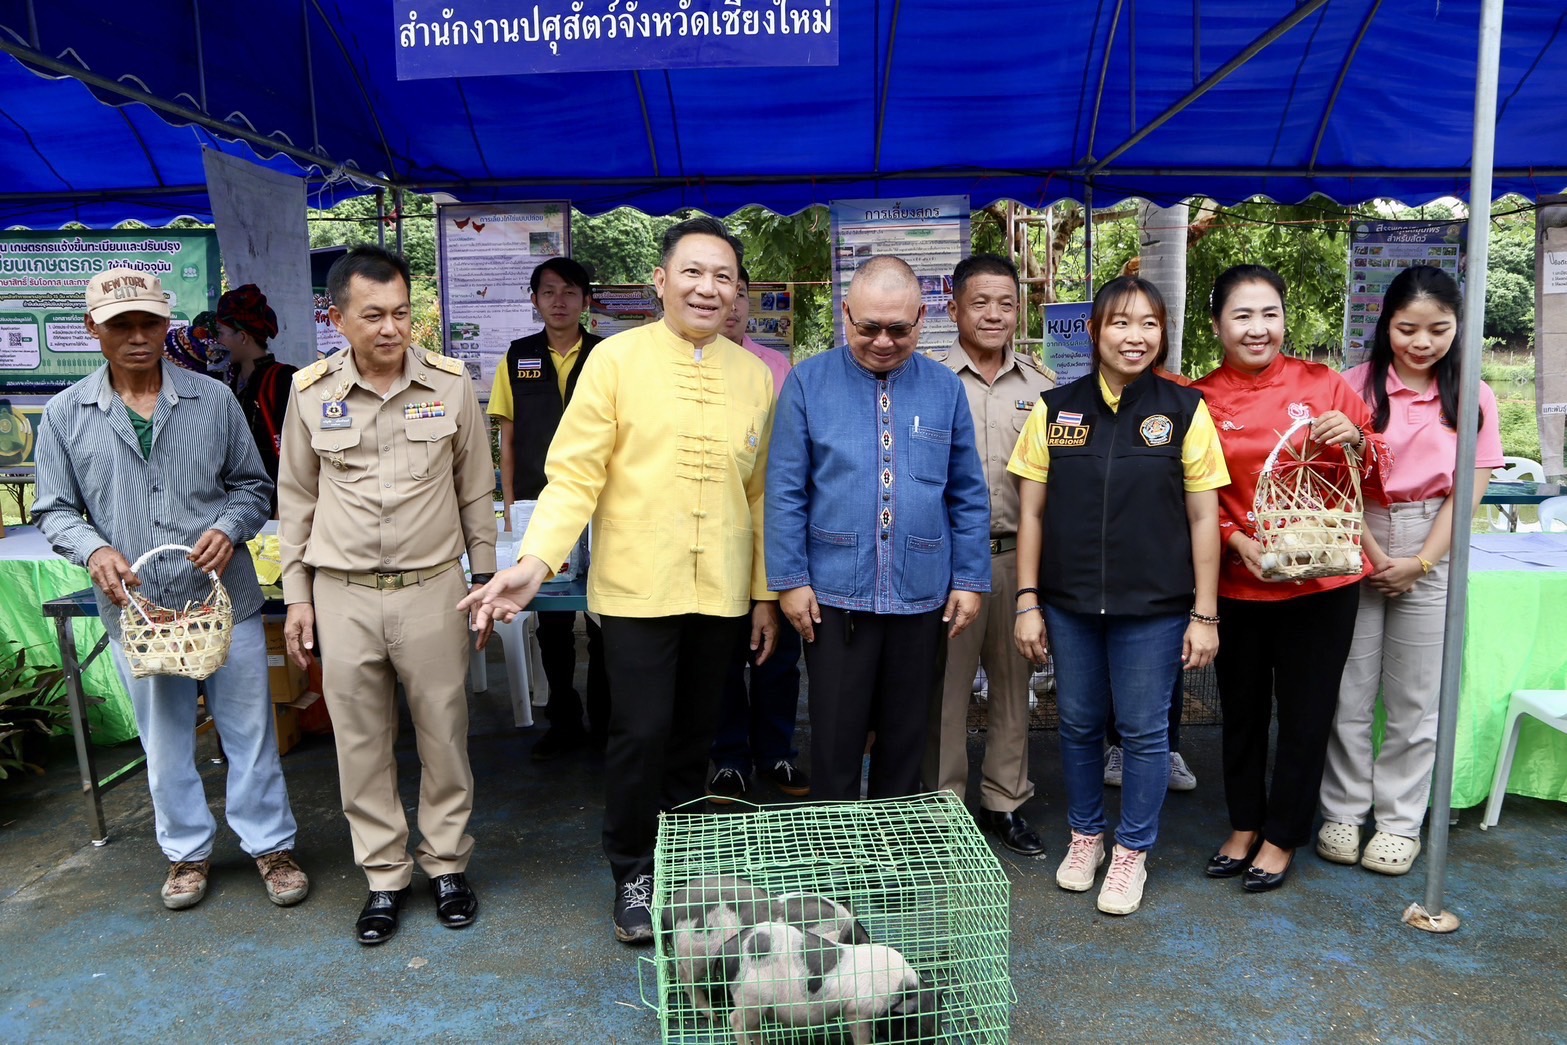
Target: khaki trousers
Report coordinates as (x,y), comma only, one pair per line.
(1004,783)
(368,640)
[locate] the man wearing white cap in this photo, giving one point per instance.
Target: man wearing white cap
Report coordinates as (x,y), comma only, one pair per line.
(140,454)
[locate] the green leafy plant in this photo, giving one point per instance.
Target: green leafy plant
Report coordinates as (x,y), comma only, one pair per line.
(32,705)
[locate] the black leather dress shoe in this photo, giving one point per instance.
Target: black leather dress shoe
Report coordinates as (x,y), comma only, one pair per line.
(1012,830)
(378,921)
(1259,881)
(456,906)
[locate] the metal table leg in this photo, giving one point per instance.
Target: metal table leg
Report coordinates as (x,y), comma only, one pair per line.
(84,753)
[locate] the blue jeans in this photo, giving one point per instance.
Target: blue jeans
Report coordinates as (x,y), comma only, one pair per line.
(1139,658)
(241,705)
(759,728)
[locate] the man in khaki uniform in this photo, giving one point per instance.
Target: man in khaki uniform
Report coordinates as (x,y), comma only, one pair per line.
(385,481)
(1002,387)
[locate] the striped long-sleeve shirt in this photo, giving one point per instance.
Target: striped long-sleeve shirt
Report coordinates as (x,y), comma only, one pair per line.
(96,489)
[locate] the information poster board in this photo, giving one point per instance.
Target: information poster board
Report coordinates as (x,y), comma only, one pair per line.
(488,253)
(328,338)
(931,233)
(1068,350)
(1378,250)
(771,321)
(20,418)
(621,306)
(44,346)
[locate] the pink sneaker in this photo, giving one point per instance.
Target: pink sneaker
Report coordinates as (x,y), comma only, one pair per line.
(1082,860)
(1122,892)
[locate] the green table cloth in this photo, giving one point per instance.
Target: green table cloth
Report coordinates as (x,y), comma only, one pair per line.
(31,574)
(1516,639)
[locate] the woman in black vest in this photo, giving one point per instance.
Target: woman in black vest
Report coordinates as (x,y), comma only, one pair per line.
(1108,564)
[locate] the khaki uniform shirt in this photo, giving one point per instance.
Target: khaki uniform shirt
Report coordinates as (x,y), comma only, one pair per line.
(1000,410)
(375,485)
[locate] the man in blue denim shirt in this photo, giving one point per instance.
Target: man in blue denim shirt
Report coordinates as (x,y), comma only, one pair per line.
(878,532)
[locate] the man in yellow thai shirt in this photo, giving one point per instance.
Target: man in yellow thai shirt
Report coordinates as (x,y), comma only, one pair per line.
(664,448)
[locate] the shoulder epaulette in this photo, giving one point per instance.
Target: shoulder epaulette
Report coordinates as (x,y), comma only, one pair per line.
(1031,360)
(938,354)
(446,363)
(310,374)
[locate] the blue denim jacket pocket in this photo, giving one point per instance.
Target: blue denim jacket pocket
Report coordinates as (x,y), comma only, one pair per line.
(929,451)
(835,561)
(926,568)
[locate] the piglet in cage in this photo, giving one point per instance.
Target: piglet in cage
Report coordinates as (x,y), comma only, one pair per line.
(802,980)
(700,917)
(820,915)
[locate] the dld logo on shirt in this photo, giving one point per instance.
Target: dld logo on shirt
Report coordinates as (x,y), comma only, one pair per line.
(1059,434)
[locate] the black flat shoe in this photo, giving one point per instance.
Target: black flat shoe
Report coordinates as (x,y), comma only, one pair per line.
(1259,881)
(378,921)
(1012,830)
(456,906)
(1221,866)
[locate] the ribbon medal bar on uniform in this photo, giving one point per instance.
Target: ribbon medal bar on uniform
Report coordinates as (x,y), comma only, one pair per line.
(414,411)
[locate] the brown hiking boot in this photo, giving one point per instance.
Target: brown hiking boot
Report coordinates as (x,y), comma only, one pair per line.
(186,884)
(286,883)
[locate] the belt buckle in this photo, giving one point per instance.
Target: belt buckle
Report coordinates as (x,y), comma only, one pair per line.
(995,546)
(388,581)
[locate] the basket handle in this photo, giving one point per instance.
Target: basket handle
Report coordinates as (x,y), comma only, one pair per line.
(1284,440)
(139,563)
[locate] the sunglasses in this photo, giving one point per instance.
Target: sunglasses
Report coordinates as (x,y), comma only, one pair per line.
(872,331)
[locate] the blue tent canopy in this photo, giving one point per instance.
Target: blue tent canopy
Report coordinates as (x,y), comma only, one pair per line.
(1354,99)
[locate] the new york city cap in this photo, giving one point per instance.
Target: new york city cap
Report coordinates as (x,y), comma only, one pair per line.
(125,290)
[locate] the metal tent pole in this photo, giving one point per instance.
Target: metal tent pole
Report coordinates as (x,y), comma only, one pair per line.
(1430,916)
(380,218)
(1088,240)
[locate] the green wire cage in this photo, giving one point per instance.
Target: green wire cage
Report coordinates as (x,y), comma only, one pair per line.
(893,891)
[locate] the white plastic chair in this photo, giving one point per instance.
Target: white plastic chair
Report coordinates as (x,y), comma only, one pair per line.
(1546,705)
(1553,510)
(1504,517)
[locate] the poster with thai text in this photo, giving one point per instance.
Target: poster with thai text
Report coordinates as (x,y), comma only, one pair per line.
(487,254)
(931,233)
(44,344)
(771,321)
(1378,251)
(1068,350)
(621,306)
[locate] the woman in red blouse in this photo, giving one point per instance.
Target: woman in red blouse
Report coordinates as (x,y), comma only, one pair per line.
(1279,641)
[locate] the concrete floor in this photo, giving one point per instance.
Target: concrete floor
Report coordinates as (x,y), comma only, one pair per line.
(88,953)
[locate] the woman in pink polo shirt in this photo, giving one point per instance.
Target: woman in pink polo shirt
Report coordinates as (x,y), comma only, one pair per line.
(1411,385)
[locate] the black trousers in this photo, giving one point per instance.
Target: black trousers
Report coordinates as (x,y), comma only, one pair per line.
(558,650)
(871,672)
(1291,653)
(666,674)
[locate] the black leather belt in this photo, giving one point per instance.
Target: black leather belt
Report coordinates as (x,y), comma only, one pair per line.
(1002,544)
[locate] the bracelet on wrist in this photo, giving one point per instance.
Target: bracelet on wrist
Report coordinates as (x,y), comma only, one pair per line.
(1203,618)
(1025,591)
(1028,609)
(1425,566)
(480,578)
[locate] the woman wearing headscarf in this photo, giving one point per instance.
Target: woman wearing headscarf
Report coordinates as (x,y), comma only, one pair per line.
(245,324)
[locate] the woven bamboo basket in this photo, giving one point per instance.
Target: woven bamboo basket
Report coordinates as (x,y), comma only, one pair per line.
(1309,511)
(192,642)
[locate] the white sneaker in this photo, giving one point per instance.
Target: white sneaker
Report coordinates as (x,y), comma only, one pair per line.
(1122,892)
(1082,860)
(1113,767)
(1181,776)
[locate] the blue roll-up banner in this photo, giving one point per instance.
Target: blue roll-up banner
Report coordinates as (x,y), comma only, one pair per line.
(1068,350)
(507,37)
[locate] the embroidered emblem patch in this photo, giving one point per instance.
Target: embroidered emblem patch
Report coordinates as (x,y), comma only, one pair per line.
(1058,433)
(530,369)
(751,438)
(1156,430)
(886,439)
(1069,418)
(886,477)
(334,414)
